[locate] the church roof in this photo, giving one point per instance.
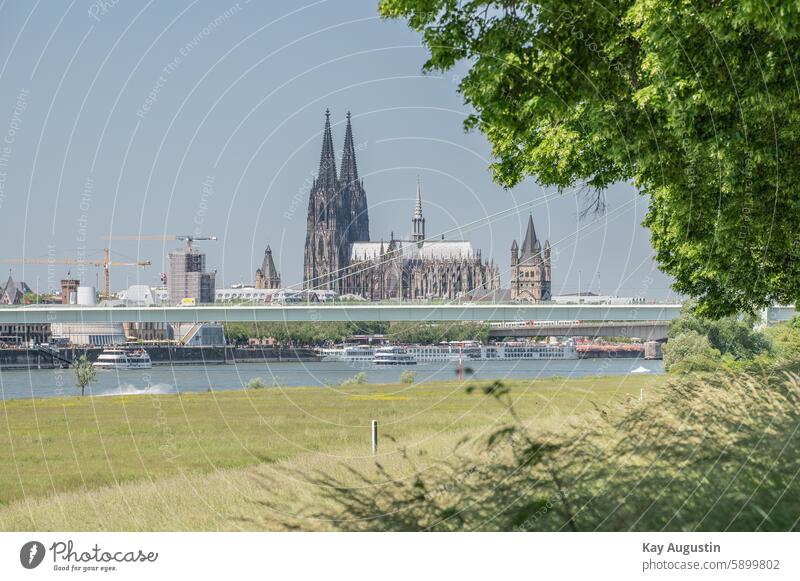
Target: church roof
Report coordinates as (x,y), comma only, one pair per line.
(12,291)
(411,250)
(268,266)
(21,286)
(530,245)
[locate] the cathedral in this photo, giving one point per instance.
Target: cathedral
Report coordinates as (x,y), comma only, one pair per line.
(530,268)
(339,255)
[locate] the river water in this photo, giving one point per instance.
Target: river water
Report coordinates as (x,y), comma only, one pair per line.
(187,378)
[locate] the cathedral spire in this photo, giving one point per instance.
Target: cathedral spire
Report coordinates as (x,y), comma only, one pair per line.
(418,221)
(349,171)
(327,159)
(354,197)
(418,206)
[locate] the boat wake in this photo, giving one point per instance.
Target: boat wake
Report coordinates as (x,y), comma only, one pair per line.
(641,370)
(130,389)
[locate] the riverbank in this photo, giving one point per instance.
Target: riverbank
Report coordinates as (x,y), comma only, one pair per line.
(33,358)
(191,461)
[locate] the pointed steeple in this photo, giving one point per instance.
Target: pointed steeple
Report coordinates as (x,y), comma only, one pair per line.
(271,278)
(327,159)
(418,206)
(418,221)
(529,244)
(349,171)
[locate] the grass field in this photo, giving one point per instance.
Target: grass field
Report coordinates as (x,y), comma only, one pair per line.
(239,459)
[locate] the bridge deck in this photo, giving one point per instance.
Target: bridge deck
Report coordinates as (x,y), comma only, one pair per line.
(337,312)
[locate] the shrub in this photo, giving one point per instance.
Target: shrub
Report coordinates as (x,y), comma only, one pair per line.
(690,351)
(732,335)
(256,383)
(358,379)
(786,340)
(408,376)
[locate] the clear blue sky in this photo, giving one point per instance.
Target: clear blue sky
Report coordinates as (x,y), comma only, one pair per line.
(206,117)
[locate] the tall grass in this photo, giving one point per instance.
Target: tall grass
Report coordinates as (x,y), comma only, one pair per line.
(716,452)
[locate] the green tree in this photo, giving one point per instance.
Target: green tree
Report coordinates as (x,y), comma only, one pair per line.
(695,103)
(311,333)
(431,333)
(35,299)
(691,351)
(731,335)
(85,373)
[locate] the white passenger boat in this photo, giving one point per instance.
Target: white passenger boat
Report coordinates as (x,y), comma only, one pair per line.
(513,350)
(119,358)
(452,351)
(393,356)
(348,353)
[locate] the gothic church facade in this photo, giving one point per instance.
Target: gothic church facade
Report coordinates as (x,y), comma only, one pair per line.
(339,255)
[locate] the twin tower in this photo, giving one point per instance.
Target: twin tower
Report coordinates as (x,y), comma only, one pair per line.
(337,214)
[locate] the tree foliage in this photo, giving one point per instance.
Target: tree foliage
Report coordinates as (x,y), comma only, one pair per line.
(691,352)
(432,333)
(786,340)
(316,333)
(85,373)
(695,103)
(319,333)
(731,335)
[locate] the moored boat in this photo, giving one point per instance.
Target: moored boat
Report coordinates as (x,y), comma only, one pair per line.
(393,356)
(121,358)
(348,353)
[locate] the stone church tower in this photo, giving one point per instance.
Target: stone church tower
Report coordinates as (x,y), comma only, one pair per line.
(352,188)
(530,268)
(268,276)
(337,215)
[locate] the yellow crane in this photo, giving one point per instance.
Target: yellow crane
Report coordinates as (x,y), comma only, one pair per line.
(106,263)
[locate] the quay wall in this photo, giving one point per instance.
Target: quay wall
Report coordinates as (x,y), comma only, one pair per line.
(166,355)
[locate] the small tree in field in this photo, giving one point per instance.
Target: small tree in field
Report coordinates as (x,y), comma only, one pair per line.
(85,373)
(408,377)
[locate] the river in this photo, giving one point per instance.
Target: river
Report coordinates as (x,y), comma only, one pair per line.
(43,383)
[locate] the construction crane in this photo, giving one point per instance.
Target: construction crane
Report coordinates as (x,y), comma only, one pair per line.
(106,263)
(189,238)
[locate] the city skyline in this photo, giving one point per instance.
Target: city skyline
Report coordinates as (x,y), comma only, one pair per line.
(213,129)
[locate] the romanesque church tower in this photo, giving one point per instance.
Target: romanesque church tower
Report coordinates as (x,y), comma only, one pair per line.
(530,268)
(337,215)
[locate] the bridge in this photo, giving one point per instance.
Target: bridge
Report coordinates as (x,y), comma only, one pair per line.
(318,312)
(645,330)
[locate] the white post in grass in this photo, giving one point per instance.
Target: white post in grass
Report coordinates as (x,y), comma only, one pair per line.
(374,428)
